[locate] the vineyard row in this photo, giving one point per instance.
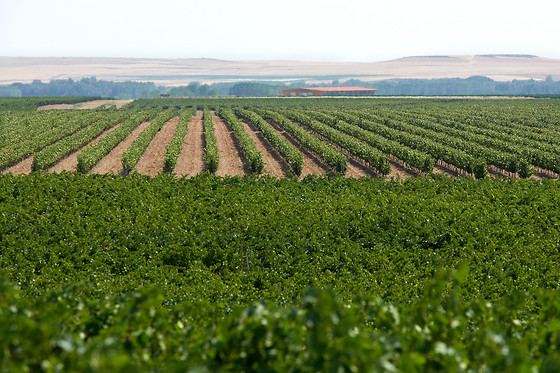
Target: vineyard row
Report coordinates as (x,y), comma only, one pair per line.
(420,139)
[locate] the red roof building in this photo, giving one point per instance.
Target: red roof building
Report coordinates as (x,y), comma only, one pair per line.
(329,91)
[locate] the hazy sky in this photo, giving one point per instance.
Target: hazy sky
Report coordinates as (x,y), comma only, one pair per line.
(346,30)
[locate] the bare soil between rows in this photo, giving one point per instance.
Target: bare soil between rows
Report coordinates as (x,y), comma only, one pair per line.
(356,167)
(87,105)
(111,163)
(70,162)
(23,167)
(232,159)
(151,162)
(190,161)
(274,163)
(312,165)
(399,171)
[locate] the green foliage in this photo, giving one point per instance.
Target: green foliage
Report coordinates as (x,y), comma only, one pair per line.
(93,154)
(69,87)
(248,89)
(374,157)
(32,103)
(524,170)
(55,152)
(404,134)
(355,147)
(132,155)
(254,157)
(412,157)
(292,156)
(109,273)
(331,156)
(68,330)
(193,90)
(23,133)
(480,170)
(174,148)
(211,156)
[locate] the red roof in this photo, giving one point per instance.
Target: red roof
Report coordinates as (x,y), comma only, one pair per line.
(340,89)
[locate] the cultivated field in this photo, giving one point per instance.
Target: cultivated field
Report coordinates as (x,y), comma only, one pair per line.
(140,259)
(287,138)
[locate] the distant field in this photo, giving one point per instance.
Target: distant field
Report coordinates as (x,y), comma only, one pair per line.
(173,72)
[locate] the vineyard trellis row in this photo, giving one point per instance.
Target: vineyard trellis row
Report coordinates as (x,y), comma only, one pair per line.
(515,138)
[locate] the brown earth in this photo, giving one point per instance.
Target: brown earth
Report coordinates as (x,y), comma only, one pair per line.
(111,163)
(540,174)
(86,105)
(496,172)
(56,107)
(442,169)
(151,162)
(312,165)
(190,159)
(398,171)
(70,162)
(274,163)
(20,168)
(357,169)
(98,103)
(232,160)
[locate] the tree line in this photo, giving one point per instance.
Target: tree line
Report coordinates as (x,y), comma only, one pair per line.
(474,85)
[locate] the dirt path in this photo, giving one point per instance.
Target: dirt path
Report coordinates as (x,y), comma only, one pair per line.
(70,163)
(20,168)
(151,162)
(540,174)
(398,171)
(357,169)
(274,164)
(190,159)
(56,107)
(98,103)
(312,165)
(441,169)
(112,161)
(86,105)
(232,160)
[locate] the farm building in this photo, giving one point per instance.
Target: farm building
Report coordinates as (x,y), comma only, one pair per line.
(329,91)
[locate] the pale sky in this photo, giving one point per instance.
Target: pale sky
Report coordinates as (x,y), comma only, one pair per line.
(313,30)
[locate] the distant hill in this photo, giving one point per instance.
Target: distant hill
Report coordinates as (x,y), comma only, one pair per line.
(175,72)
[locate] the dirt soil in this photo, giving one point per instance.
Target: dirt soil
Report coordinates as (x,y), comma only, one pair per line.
(98,103)
(356,169)
(440,169)
(86,105)
(312,165)
(111,163)
(274,163)
(56,107)
(70,163)
(398,171)
(151,162)
(20,168)
(232,159)
(190,159)
(541,174)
